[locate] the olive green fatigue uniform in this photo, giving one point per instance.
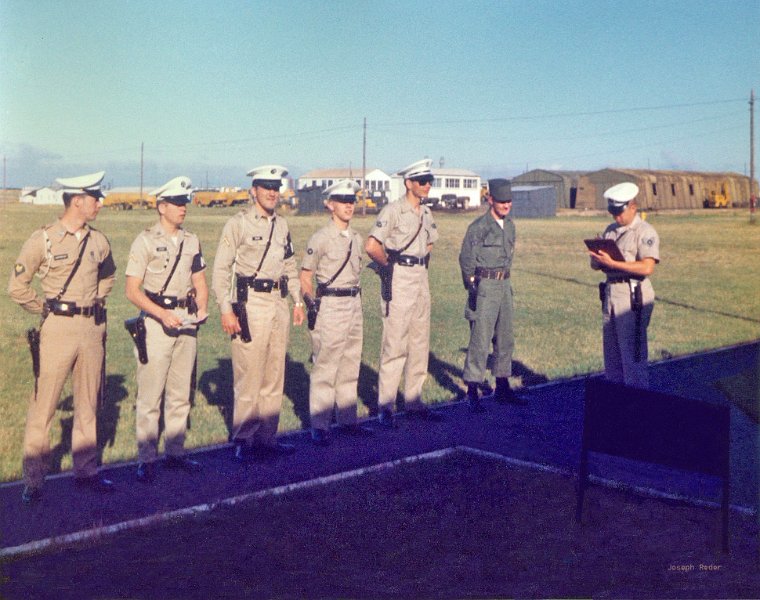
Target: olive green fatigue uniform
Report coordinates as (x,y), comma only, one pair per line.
(488,246)
(337,336)
(258,366)
(171,356)
(636,241)
(67,344)
(406,328)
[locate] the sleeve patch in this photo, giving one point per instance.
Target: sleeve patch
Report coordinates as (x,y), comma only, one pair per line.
(19,269)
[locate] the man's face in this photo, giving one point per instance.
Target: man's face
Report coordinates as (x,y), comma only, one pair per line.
(89,206)
(420,188)
(173,213)
(625,216)
(266,195)
(343,211)
(499,209)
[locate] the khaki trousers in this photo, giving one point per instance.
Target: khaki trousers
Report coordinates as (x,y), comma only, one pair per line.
(258,369)
(168,373)
(337,354)
(67,344)
(406,339)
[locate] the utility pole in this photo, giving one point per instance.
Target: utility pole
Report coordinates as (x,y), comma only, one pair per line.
(364,169)
(752,198)
(4,180)
(142,149)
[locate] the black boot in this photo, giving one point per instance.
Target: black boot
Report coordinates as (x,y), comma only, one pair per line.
(473,398)
(505,394)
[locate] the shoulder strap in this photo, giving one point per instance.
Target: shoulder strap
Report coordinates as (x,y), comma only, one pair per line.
(401,250)
(76,266)
(174,268)
(266,250)
(343,266)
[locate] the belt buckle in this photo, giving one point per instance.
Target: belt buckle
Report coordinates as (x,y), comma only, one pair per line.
(266,286)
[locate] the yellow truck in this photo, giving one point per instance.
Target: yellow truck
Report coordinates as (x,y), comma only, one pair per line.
(717,199)
(127,200)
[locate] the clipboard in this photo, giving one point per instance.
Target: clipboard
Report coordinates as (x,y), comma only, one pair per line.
(609,246)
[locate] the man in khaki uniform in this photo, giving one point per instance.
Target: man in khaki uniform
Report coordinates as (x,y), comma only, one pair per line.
(334,256)
(73,329)
(166,280)
(256,249)
(627,295)
(400,243)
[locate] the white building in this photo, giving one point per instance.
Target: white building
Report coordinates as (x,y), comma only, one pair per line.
(377,182)
(451,187)
(43,195)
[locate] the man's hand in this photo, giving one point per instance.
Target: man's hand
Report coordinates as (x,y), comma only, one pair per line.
(298,315)
(230,324)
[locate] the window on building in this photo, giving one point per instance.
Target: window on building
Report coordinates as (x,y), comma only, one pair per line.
(470,183)
(437,182)
(691,189)
(673,189)
(654,189)
(452,182)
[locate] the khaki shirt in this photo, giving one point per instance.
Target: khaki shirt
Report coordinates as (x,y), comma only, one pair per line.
(398,223)
(326,252)
(636,241)
(152,257)
(51,252)
(243,243)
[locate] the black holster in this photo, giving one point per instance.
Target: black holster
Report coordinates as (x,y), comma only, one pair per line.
(137,331)
(312,309)
(99,313)
(284,286)
(33,337)
(602,291)
(472,294)
(386,281)
(242,316)
(192,305)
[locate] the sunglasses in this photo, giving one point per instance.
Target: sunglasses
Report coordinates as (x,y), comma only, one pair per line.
(269,185)
(424,181)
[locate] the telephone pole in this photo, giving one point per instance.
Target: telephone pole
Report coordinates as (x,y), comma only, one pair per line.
(142,148)
(364,169)
(752,198)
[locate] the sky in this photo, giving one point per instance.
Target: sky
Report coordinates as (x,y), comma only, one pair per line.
(211,89)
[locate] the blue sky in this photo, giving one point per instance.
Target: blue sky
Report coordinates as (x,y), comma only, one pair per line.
(213,89)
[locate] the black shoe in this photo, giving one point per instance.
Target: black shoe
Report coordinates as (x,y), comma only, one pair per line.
(182,463)
(505,394)
(320,437)
(31,495)
(96,483)
(272,451)
(146,472)
(386,420)
(356,430)
(425,415)
(473,398)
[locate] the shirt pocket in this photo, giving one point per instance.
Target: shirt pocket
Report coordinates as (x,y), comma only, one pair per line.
(160,259)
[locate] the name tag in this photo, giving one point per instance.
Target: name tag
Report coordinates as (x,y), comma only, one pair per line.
(161,249)
(60,256)
(257,238)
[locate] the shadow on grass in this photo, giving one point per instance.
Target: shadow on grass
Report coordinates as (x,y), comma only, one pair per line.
(297,389)
(217,386)
(107,420)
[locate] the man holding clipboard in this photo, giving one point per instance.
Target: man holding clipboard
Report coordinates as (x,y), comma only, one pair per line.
(627,253)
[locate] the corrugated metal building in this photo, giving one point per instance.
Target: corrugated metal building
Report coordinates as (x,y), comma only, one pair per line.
(532,201)
(565,184)
(664,189)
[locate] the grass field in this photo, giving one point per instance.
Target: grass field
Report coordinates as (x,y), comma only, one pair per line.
(707,288)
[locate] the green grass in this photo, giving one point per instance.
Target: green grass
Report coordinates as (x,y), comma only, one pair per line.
(707,286)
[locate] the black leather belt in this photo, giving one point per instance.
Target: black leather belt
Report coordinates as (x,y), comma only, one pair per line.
(342,292)
(622,279)
(69,309)
(407,260)
(492,273)
(259,285)
(168,301)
